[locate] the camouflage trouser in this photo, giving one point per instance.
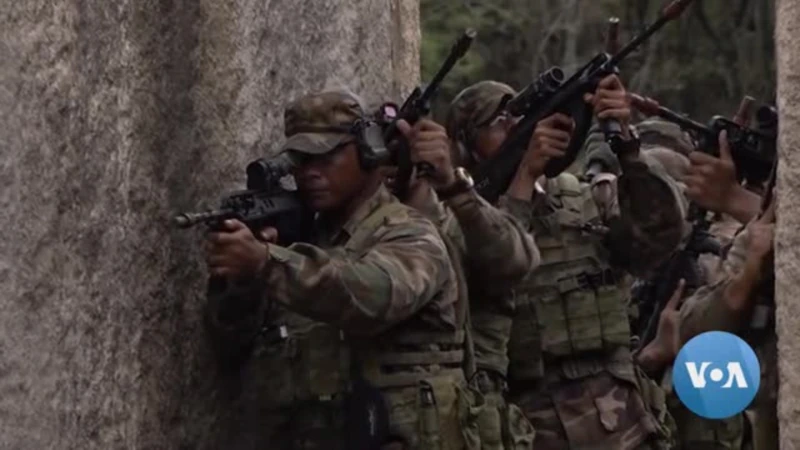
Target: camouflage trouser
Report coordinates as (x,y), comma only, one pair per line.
(599,412)
(695,432)
(449,423)
(502,426)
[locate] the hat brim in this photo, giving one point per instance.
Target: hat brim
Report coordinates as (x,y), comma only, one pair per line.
(313,143)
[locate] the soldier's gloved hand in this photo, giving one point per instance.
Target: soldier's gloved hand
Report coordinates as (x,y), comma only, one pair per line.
(550,140)
(234,252)
(711,182)
(611,101)
(428,142)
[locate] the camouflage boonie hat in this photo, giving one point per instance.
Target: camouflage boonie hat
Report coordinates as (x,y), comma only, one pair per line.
(657,132)
(315,124)
(475,106)
(674,163)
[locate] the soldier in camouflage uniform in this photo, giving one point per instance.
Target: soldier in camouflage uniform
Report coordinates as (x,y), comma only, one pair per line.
(742,302)
(693,432)
(368,305)
(566,326)
(495,251)
(741,298)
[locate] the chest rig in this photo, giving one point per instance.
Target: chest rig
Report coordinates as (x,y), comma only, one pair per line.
(319,362)
(571,308)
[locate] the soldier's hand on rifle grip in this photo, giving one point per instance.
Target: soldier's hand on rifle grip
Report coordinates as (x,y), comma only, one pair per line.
(712,181)
(550,140)
(611,101)
(234,252)
(428,143)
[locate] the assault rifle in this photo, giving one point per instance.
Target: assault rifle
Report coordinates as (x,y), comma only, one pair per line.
(753,150)
(683,265)
(494,176)
(416,106)
(267,201)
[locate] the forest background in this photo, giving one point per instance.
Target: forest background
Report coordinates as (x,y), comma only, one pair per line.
(702,64)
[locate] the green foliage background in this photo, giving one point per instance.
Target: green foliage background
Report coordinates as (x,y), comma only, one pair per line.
(702,64)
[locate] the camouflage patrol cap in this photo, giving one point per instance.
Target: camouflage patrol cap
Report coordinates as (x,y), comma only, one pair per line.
(317,123)
(475,106)
(662,133)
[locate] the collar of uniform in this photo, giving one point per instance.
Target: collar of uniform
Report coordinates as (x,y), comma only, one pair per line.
(340,234)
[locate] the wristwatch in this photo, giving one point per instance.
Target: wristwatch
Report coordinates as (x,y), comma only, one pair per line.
(630,146)
(463,183)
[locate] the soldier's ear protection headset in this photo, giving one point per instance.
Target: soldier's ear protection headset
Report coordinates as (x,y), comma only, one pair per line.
(369,142)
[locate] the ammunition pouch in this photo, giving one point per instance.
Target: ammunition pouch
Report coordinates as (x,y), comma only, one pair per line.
(582,312)
(501,425)
(439,413)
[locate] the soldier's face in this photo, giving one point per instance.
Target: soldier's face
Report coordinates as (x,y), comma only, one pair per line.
(491,136)
(328,182)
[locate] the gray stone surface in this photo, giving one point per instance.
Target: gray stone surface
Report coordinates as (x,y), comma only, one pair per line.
(113,115)
(787,251)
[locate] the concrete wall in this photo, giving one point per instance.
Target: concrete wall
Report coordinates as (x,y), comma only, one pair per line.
(114,115)
(787,240)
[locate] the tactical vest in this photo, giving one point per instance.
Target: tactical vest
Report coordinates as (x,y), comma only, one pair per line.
(572,306)
(321,360)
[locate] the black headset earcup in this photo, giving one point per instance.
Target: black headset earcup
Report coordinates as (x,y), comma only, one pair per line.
(366,157)
(369,143)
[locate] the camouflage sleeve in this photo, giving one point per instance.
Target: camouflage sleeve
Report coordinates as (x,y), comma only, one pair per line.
(499,249)
(518,209)
(706,310)
(651,221)
(233,316)
(362,293)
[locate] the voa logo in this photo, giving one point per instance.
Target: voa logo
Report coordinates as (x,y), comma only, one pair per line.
(698,379)
(716,375)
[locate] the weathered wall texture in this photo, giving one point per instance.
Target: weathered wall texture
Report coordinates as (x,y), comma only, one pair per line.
(113,115)
(787,256)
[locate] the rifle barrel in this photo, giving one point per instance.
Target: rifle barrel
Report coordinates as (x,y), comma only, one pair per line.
(457,52)
(188,220)
(651,107)
(612,38)
(745,112)
(669,13)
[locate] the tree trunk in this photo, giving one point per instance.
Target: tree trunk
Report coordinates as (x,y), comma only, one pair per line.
(787,251)
(113,116)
